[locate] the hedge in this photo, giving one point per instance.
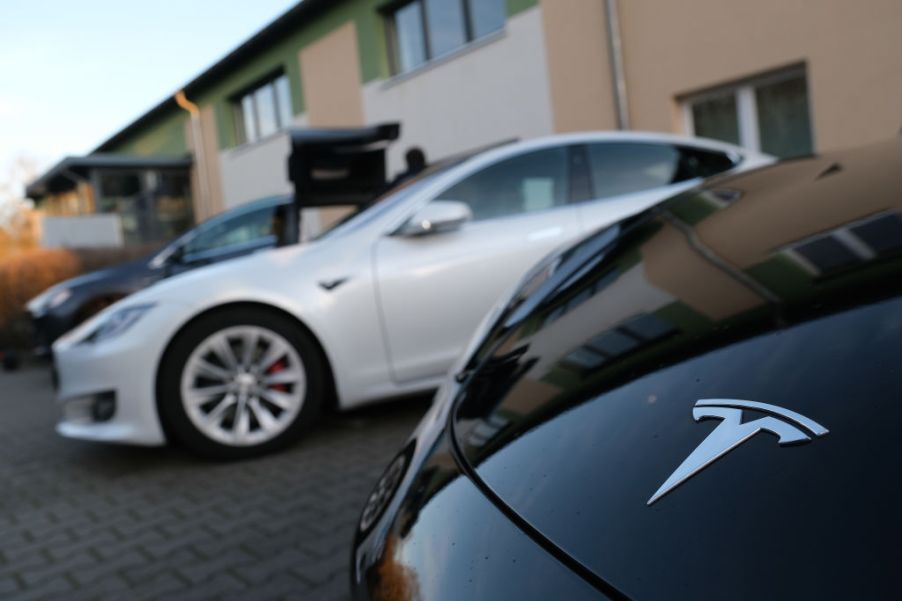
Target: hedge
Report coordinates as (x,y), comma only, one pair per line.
(27,273)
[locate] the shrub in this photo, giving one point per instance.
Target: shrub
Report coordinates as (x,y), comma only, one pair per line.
(27,273)
(24,275)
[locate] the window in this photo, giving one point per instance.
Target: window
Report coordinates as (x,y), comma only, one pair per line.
(426,29)
(263,110)
(623,168)
(850,245)
(238,230)
(770,114)
(530,182)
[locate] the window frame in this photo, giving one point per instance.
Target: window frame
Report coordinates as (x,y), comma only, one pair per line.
(743,92)
(389,11)
(236,102)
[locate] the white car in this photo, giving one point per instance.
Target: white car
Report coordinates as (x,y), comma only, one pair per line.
(236,359)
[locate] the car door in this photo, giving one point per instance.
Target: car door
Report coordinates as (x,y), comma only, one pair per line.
(228,238)
(628,177)
(434,289)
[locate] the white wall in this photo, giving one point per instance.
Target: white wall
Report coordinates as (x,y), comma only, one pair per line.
(487,93)
(83,231)
(253,171)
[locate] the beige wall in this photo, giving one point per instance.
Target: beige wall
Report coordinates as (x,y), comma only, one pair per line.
(579,68)
(210,144)
(853,50)
(330,75)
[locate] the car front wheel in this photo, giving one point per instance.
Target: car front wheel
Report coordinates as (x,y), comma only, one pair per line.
(240,383)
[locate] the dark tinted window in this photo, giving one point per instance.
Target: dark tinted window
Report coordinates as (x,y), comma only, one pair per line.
(695,162)
(717,118)
(530,182)
(784,122)
(883,234)
(828,254)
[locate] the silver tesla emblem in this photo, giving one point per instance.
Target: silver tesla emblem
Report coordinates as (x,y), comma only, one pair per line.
(789,426)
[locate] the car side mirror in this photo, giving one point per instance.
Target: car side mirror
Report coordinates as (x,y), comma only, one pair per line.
(437,217)
(177,257)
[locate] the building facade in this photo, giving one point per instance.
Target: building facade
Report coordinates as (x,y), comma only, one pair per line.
(789,77)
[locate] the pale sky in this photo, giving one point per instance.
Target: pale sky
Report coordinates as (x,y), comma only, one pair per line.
(73,72)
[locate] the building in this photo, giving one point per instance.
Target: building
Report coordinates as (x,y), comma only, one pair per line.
(786,76)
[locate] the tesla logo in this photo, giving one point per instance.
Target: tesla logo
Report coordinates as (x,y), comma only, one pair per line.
(789,426)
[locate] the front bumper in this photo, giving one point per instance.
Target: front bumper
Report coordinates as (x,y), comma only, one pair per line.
(125,368)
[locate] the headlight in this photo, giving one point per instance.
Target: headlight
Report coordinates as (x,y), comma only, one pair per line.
(118,322)
(47,300)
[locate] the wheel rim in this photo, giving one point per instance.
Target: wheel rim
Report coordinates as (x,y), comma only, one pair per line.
(243,386)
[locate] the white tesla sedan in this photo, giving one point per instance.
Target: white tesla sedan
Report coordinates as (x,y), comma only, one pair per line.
(236,359)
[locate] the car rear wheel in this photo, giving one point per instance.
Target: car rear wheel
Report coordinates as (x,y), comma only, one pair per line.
(240,383)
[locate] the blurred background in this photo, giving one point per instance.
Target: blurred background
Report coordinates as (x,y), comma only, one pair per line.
(125,124)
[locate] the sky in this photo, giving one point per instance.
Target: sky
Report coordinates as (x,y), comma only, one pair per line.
(72,73)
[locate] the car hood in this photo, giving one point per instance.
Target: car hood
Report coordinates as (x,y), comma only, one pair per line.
(132,270)
(250,277)
(707,408)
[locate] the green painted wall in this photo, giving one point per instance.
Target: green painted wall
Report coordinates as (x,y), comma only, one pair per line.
(518,6)
(165,135)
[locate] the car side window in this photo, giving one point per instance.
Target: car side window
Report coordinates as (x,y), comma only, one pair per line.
(241,229)
(697,162)
(625,167)
(533,181)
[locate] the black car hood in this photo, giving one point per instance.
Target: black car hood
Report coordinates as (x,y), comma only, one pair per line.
(781,286)
(123,272)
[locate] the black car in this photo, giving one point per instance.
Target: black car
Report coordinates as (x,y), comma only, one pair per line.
(699,403)
(251,227)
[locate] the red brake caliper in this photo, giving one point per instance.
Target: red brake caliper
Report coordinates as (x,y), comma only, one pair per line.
(276,368)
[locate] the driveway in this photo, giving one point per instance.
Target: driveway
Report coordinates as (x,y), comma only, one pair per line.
(89,521)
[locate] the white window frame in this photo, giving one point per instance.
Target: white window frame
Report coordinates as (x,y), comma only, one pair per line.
(746,105)
(241,134)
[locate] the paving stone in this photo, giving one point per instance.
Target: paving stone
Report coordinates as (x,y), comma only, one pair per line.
(82,521)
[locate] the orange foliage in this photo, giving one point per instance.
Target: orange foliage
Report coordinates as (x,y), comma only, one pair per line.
(25,274)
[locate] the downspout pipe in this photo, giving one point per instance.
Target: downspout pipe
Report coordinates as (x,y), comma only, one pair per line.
(200,157)
(618,76)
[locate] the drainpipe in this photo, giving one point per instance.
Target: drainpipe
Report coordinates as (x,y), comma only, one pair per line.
(200,157)
(617,73)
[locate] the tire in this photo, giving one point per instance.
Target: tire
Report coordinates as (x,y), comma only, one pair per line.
(226,395)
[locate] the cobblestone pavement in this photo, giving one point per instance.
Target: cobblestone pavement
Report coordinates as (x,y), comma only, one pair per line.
(89,521)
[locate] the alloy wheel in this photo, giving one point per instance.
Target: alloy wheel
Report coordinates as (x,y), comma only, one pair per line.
(243,386)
